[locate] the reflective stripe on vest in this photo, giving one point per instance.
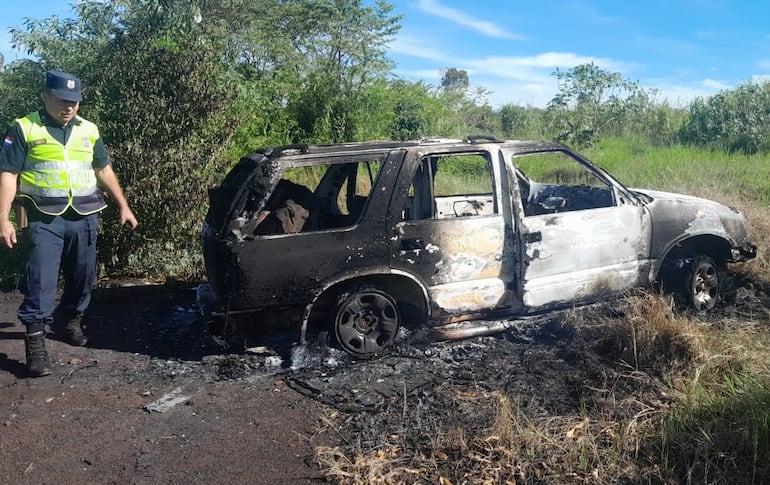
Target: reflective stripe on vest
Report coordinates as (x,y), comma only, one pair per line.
(53,170)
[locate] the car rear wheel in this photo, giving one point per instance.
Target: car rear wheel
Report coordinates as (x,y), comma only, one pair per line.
(699,283)
(367,321)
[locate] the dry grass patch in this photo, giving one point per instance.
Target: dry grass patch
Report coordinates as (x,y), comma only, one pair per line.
(626,364)
(758,218)
(647,335)
(515,448)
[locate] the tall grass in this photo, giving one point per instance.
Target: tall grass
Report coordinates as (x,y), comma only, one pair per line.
(720,431)
(685,169)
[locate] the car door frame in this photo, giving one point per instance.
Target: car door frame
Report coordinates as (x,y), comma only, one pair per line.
(583,255)
(467,263)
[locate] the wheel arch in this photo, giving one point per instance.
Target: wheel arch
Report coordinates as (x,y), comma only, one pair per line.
(717,247)
(410,295)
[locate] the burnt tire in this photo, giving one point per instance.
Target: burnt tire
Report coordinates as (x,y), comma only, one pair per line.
(697,283)
(366,322)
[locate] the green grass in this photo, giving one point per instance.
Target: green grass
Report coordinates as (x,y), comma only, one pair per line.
(685,169)
(720,433)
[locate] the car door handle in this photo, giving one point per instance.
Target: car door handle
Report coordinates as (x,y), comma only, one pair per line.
(412,244)
(533,237)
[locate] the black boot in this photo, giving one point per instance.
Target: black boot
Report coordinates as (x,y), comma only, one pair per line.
(38,364)
(74,330)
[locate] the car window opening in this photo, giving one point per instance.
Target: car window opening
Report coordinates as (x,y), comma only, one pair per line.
(312,198)
(552,182)
(452,185)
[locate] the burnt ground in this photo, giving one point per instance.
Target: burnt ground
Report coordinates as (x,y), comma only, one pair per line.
(257,416)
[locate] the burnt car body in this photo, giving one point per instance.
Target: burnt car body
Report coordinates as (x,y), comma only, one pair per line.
(362,238)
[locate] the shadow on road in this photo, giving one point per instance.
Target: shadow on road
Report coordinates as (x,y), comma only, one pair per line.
(13,366)
(154,320)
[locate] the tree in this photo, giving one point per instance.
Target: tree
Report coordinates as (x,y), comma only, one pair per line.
(592,101)
(346,53)
(172,82)
(414,109)
(519,122)
(20,86)
(455,80)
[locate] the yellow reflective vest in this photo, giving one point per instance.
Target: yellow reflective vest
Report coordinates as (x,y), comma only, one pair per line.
(55,176)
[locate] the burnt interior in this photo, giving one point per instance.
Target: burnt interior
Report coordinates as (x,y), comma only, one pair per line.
(291,207)
(550,199)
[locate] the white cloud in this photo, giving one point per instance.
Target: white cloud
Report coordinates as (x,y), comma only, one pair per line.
(430,75)
(522,93)
(414,47)
(459,17)
(679,94)
(515,67)
(529,81)
(553,60)
(714,85)
(523,80)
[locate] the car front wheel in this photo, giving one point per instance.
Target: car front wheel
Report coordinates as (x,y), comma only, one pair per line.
(366,322)
(699,283)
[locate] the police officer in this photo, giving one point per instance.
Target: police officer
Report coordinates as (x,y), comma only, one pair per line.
(54,161)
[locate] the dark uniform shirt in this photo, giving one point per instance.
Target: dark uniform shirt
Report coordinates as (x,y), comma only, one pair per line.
(14,150)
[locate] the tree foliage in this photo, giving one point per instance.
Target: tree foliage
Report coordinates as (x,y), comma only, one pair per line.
(171,82)
(20,87)
(345,49)
(456,80)
(520,122)
(173,97)
(592,101)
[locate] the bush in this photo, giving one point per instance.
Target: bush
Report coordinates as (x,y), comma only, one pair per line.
(162,111)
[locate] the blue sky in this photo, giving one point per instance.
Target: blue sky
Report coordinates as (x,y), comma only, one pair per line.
(13,14)
(683,48)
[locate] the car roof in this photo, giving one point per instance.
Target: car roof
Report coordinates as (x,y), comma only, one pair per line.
(384,145)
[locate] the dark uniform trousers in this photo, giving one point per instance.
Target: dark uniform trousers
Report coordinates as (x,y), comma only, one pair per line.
(67,241)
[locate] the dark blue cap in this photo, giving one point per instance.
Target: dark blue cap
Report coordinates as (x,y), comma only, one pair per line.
(63,85)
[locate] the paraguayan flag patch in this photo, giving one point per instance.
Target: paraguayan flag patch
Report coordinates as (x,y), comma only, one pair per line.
(8,141)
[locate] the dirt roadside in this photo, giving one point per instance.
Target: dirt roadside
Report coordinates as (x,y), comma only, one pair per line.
(87,423)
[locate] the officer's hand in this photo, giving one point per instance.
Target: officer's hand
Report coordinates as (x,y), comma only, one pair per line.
(7,233)
(127,218)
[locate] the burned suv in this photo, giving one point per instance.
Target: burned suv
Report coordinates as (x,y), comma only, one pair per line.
(462,235)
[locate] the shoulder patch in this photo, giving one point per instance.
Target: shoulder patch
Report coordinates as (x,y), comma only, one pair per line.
(8,141)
